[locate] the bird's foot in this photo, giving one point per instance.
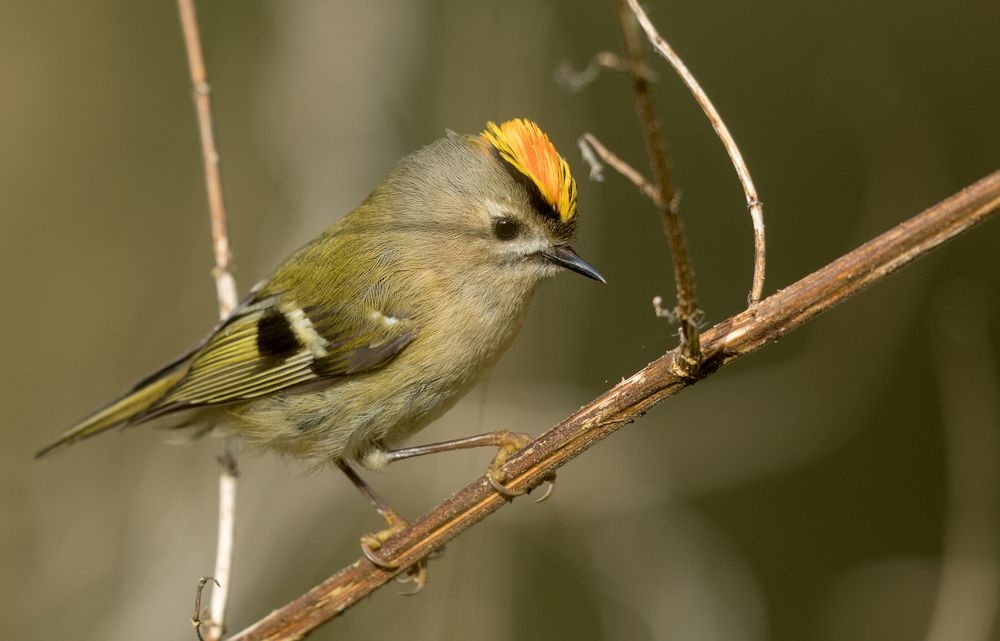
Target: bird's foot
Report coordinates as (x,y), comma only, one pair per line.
(416,573)
(507,444)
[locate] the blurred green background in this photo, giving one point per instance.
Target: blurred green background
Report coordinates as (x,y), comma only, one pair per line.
(840,485)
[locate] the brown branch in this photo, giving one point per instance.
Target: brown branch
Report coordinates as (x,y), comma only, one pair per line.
(754,205)
(225,288)
(687,305)
(742,334)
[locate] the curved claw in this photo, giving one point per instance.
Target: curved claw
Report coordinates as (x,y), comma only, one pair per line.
(374,560)
(502,489)
(417,575)
(551,486)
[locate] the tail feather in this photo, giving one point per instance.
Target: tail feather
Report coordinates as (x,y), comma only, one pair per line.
(130,406)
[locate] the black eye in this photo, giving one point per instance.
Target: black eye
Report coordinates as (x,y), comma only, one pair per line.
(504,228)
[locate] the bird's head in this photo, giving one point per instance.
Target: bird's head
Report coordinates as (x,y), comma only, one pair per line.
(500,206)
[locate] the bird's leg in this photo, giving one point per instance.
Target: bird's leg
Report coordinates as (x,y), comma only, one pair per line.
(506,443)
(371,542)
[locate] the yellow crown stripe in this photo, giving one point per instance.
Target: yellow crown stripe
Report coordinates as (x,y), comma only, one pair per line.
(525,146)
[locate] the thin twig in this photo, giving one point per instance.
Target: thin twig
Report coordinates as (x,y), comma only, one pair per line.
(225,287)
(661,311)
(196,619)
(754,204)
(591,148)
(687,304)
(573,80)
(225,540)
(771,319)
(225,284)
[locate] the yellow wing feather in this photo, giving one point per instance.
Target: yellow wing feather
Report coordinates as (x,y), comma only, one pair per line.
(230,367)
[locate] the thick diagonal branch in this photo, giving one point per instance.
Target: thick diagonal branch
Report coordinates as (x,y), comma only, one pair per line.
(742,334)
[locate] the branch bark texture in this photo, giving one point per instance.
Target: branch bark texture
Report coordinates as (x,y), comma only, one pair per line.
(737,336)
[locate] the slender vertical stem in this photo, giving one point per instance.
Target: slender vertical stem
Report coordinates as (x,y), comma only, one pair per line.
(754,205)
(225,286)
(687,305)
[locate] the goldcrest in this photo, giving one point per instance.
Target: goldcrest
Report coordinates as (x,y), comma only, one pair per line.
(379,325)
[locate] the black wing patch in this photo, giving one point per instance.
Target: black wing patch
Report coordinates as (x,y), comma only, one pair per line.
(275,336)
(264,352)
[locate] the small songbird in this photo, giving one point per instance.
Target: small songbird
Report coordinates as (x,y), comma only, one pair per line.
(383,322)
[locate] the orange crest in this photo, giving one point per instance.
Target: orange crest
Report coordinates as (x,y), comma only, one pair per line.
(521,143)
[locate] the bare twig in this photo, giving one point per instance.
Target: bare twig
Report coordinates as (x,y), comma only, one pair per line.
(594,152)
(661,311)
(573,80)
(742,334)
(225,284)
(196,619)
(754,205)
(225,287)
(966,604)
(687,304)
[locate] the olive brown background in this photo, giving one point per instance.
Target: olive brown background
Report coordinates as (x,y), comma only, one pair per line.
(811,491)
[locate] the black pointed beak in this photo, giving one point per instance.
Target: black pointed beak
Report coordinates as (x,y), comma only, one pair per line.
(564,256)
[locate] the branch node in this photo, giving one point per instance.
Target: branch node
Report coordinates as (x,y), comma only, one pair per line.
(227,460)
(675,203)
(218,272)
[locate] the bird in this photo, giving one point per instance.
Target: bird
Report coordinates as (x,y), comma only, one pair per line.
(384,321)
